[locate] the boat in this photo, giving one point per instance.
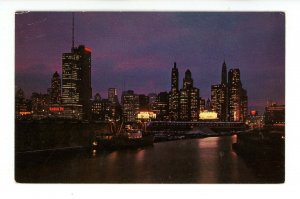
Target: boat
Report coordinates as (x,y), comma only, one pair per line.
(127,137)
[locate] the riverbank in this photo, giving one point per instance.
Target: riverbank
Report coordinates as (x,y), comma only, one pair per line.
(263,150)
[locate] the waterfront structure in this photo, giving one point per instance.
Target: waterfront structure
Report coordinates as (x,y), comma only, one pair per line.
(174,95)
(145,116)
(237,97)
(40,105)
(255,120)
(22,105)
(130,102)
(274,115)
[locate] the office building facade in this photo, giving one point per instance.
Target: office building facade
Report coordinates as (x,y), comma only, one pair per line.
(76,83)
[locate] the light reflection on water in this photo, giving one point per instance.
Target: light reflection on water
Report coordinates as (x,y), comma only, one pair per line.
(208,160)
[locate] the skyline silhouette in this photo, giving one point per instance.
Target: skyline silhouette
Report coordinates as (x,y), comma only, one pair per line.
(138,48)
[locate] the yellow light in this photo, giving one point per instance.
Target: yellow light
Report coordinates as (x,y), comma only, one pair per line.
(25,113)
(146,115)
(208,115)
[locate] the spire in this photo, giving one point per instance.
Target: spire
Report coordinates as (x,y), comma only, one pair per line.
(174,64)
(224,73)
(72,30)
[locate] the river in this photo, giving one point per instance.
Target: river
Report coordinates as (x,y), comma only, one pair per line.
(206,160)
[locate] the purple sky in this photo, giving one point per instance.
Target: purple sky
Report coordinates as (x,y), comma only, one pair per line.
(139,48)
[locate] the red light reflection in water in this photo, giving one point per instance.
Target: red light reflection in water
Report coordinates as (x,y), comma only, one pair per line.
(140,155)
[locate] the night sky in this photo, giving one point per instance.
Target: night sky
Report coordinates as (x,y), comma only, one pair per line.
(137,50)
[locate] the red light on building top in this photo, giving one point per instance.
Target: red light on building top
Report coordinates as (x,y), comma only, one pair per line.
(88,49)
(253,112)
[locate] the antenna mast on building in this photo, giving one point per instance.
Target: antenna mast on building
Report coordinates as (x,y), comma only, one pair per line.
(72,30)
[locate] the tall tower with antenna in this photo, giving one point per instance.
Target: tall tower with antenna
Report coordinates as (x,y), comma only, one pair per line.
(76,81)
(72,30)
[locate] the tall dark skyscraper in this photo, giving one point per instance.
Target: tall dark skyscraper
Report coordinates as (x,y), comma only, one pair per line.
(55,90)
(189,99)
(174,79)
(130,102)
(224,73)
(76,81)
(112,95)
(188,82)
(219,96)
(174,95)
(237,96)
(160,106)
(114,104)
(244,104)
(219,100)
(234,84)
(194,104)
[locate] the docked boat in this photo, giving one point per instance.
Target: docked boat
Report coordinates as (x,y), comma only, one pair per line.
(127,137)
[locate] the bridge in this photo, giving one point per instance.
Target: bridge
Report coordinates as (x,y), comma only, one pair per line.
(184,125)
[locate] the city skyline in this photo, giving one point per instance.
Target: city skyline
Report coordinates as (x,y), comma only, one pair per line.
(140,51)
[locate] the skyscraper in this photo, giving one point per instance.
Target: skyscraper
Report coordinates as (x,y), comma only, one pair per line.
(219,96)
(189,99)
(40,105)
(114,104)
(174,95)
(160,106)
(244,104)
(22,105)
(112,95)
(218,100)
(174,79)
(224,73)
(224,94)
(194,104)
(237,96)
(130,102)
(188,82)
(202,104)
(96,107)
(55,90)
(184,105)
(76,83)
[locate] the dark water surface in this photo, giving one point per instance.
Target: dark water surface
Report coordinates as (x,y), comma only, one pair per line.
(208,160)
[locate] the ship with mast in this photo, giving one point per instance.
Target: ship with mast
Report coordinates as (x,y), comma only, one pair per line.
(121,136)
